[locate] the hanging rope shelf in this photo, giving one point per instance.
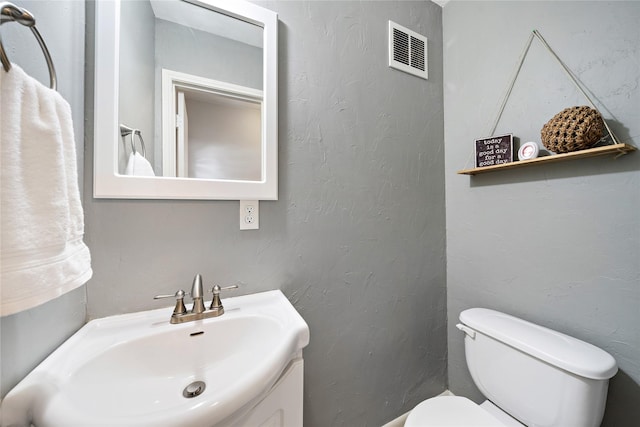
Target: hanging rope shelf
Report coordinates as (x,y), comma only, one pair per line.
(616,148)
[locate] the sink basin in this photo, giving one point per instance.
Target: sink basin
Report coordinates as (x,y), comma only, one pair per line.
(132,370)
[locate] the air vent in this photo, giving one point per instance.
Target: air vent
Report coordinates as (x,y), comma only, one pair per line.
(407,51)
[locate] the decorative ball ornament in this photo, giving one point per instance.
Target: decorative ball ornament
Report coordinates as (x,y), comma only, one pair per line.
(573,129)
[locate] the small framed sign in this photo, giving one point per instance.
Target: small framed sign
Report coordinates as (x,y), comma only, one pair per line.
(494,150)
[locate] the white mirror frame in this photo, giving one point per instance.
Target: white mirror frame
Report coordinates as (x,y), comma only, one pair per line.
(109,184)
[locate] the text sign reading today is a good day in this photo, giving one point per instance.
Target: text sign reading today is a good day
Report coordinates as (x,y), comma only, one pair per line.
(494,150)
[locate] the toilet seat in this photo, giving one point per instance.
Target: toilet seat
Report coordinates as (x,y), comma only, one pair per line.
(452,411)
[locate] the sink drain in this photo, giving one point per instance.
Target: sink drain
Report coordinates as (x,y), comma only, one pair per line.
(194,389)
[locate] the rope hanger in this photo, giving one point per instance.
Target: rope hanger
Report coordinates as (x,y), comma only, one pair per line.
(567,71)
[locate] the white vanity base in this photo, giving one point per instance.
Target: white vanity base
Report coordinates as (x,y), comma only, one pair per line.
(282,406)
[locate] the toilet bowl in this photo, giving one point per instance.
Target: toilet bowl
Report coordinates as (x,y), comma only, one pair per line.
(457,411)
(529,374)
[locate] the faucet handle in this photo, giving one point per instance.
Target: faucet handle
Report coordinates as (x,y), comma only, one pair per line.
(216,289)
(216,304)
(179,296)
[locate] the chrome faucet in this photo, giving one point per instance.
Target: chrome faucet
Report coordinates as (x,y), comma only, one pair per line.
(198,311)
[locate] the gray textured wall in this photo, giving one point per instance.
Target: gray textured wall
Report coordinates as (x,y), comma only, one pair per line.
(28,337)
(558,244)
(357,239)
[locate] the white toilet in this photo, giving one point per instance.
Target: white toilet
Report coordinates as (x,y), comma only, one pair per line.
(529,374)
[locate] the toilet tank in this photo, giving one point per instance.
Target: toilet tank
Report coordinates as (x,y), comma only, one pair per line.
(541,377)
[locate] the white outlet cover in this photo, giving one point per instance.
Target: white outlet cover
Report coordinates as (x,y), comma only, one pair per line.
(249,215)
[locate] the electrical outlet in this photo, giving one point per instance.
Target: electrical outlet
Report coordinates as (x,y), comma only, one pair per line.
(249,215)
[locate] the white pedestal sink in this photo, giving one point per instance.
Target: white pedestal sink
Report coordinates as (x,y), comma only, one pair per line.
(243,368)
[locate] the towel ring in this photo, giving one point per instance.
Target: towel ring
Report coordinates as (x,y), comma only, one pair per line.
(133,142)
(10,12)
(126,130)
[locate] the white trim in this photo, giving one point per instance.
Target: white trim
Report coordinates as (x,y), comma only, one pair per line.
(180,137)
(107,183)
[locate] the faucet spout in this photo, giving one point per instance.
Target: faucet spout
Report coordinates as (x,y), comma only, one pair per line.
(197,294)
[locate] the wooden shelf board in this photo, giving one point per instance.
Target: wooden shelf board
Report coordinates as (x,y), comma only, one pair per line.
(615,149)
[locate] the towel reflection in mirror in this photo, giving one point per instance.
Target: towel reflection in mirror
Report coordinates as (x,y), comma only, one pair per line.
(137,165)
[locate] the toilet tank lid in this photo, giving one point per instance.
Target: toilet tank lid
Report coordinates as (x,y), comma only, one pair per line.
(558,349)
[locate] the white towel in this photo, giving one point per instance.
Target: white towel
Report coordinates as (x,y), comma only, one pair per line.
(42,255)
(138,166)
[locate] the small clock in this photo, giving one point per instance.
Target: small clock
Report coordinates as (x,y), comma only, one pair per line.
(528,151)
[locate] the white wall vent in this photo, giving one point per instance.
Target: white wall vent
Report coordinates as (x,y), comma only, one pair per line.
(407,51)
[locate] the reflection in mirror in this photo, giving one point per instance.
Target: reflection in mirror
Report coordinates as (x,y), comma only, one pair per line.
(182,37)
(195,82)
(211,129)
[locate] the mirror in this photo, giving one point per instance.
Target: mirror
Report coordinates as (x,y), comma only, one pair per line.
(185,100)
